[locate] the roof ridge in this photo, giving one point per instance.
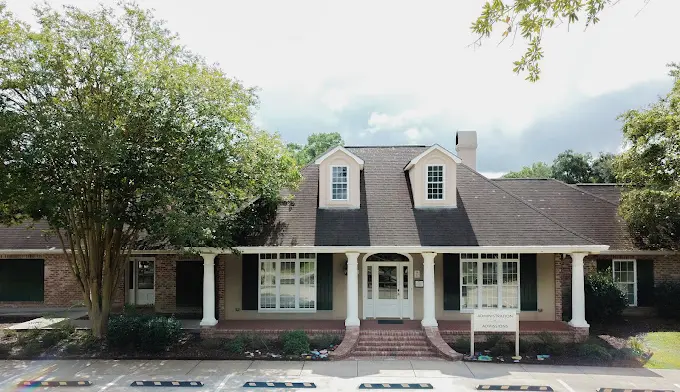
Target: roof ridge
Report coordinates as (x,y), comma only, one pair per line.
(391,146)
(532,207)
(574,187)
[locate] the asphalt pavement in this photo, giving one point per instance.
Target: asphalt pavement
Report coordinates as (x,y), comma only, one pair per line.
(118,375)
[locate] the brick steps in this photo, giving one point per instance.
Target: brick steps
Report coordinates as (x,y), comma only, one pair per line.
(392,344)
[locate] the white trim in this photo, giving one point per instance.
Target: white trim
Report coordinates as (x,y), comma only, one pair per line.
(427,182)
(278,261)
(330,185)
(635,279)
(336,149)
(400,271)
(480,278)
(436,147)
(133,292)
(592,249)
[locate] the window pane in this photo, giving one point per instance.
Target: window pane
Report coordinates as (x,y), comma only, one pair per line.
(267,284)
(287,285)
(435,182)
(369,282)
(387,282)
(307,285)
(469,272)
(510,297)
(469,297)
(404,292)
(489,273)
(490,296)
(339,191)
(145,274)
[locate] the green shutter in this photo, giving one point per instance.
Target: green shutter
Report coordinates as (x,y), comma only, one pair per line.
(249,283)
(451,281)
(324,283)
(604,265)
(645,282)
(22,280)
(528,291)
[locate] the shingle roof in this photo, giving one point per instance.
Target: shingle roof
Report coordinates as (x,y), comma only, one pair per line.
(593,215)
(486,214)
(609,192)
(27,236)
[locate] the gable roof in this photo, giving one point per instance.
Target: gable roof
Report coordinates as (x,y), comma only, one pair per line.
(336,149)
(28,236)
(609,192)
(435,147)
(594,216)
(486,214)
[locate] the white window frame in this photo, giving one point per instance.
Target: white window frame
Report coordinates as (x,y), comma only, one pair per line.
(300,258)
(635,278)
(332,182)
(428,182)
(477,257)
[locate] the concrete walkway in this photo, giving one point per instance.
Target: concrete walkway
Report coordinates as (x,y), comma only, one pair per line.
(110,375)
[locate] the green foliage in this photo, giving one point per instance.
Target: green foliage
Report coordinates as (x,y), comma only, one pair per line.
(571,167)
(324,341)
(317,144)
(536,170)
(548,343)
(147,333)
(649,166)
(499,346)
(594,352)
(295,342)
(31,349)
(118,137)
(666,296)
(637,345)
(30,336)
(237,345)
(5,350)
(461,344)
(530,18)
(605,302)
(212,343)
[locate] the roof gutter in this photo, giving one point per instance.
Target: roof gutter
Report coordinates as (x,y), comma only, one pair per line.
(640,252)
(54,251)
(594,249)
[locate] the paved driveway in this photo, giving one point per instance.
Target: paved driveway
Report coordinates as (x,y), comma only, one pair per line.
(111,375)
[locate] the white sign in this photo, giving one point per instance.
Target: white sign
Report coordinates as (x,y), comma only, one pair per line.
(495,320)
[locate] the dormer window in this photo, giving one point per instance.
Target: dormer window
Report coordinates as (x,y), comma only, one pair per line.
(339,182)
(435,182)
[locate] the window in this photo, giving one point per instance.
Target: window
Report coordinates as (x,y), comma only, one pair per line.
(287,282)
(339,183)
(625,277)
(489,280)
(435,182)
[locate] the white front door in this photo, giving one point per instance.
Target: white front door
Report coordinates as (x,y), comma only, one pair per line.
(388,290)
(141,282)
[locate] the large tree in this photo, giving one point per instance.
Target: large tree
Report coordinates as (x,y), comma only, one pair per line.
(530,19)
(119,137)
(571,167)
(650,169)
(317,144)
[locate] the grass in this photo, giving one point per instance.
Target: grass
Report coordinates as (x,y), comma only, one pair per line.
(666,348)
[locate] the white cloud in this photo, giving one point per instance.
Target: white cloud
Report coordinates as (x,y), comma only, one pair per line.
(315,60)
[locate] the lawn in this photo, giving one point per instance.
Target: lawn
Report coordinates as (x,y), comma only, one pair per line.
(666,348)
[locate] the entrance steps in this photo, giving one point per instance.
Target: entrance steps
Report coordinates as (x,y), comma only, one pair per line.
(392,344)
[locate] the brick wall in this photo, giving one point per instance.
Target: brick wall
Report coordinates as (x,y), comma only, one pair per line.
(558,287)
(60,286)
(166,279)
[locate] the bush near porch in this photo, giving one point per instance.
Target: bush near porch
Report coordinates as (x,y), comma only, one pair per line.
(604,301)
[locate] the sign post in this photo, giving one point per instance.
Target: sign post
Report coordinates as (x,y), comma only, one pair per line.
(494,320)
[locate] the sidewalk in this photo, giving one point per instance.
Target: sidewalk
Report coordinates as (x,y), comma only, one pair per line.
(336,376)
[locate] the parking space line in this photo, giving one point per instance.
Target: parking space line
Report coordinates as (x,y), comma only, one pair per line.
(112,383)
(224,382)
(566,386)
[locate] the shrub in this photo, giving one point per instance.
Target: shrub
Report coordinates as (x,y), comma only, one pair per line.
(528,346)
(236,345)
(159,333)
(254,342)
(461,344)
(604,301)
(295,342)
(594,351)
(666,297)
(148,333)
(548,343)
(325,341)
(5,350)
(501,347)
(31,349)
(24,338)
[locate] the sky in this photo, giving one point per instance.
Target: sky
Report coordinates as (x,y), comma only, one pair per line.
(403,72)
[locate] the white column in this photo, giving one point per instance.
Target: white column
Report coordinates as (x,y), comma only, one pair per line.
(352,289)
(208,290)
(578,297)
(429,319)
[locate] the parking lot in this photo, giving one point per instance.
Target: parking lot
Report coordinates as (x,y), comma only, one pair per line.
(118,375)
